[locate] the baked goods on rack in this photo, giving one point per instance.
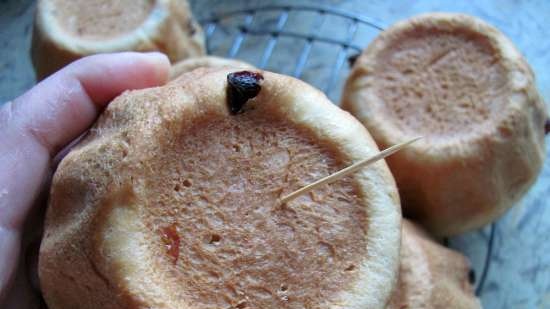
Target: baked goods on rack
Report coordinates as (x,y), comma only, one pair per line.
(430,275)
(463,86)
(66,30)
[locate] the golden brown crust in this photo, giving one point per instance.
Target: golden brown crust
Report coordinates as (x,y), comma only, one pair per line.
(169,28)
(462,85)
(189,65)
(431,276)
(95,230)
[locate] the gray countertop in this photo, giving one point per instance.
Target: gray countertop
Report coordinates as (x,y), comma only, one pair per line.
(519,275)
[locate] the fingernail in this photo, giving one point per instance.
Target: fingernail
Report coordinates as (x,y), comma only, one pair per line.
(161,64)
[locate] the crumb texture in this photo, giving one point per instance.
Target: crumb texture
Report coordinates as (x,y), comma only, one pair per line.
(237,248)
(101,18)
(438,83)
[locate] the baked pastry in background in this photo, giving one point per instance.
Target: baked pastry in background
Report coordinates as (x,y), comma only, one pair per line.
(430,275)
(189,65)
(66,30)
(463,86)
(172,201)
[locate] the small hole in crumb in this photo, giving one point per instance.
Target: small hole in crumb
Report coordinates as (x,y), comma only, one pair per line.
(284,288)
(237,148)
(187,183)
(350,268)
(214,238)
(177,188)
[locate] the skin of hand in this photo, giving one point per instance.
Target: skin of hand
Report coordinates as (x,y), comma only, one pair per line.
(34,128)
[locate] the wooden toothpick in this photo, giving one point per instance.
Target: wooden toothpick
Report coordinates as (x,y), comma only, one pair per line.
(348,170)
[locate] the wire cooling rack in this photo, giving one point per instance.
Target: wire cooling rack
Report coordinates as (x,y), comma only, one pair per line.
(305,26)
(307,42)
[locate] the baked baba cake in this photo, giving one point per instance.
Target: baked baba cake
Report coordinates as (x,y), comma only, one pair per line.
(430,275)
(172,200)
(66,30)
(464,87)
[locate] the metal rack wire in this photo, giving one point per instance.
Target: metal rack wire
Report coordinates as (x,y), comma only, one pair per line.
(279,28)
(239,25)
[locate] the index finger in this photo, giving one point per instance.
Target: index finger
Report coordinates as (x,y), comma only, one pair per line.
(35,126)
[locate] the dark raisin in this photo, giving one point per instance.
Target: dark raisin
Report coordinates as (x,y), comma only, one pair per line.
(352,59)
(242,86)
(547,126)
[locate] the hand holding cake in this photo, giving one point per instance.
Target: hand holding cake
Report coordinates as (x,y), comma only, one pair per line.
(36,126)
(221,185)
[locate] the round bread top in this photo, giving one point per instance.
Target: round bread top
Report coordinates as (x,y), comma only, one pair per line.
(438,81)
(443,76)
(213,214)
(187,189)
(464,87)
(100,19)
